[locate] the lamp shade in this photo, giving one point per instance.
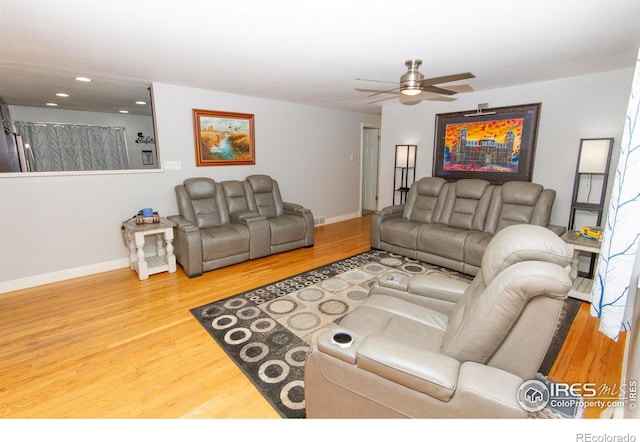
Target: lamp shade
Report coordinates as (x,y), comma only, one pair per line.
(594,155)
(405,155)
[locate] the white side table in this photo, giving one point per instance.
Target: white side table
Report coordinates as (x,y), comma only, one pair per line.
(581,288)
(164,261)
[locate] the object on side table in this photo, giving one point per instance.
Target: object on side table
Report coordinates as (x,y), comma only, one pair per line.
(594,233)
(147,218)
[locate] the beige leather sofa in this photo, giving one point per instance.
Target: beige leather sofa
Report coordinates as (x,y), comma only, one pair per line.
(221,224)
(451,224)
(466,360)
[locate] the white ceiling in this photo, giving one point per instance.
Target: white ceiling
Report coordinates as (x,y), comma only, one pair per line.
(307,52)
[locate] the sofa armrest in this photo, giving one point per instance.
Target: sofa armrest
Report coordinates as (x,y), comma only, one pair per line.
(485,391)
(378,217)
(292,206)
(426,371)
(298,210)
(246,216)
(295,209)
(391,210)
(182,223)
(187,245)
(438,292)
(259,232)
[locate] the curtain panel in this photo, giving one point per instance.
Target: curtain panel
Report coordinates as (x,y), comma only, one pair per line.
(72,147)
(615,285)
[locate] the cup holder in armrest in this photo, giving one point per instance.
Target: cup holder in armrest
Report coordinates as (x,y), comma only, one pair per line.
(339,343)
(342,339)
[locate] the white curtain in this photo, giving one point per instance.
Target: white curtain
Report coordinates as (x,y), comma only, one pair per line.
(60,147)
(617,278)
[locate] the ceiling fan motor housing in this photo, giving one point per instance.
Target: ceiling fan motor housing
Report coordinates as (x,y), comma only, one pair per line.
(410,81)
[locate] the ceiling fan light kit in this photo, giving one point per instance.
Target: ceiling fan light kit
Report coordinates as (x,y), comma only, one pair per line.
(410,81)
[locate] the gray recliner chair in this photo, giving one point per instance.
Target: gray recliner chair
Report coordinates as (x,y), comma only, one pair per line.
(462,356)
(290,225)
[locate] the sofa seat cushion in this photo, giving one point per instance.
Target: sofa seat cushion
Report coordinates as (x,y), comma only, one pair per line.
(398,321)
(401,232)
(442,240)
(287,228)
(223,241)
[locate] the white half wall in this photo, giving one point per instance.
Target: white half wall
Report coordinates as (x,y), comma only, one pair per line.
(59,226)
(591,106)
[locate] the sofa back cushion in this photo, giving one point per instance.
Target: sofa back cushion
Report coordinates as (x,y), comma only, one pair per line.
(466,204)
(264,196)
(236,196)
(519,202)
(200,200)
(521,262)
(423,203)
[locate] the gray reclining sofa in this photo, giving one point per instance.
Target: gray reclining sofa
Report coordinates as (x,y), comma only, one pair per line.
(450,224)
(224,223)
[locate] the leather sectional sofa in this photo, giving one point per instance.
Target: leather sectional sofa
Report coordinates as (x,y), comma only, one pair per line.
(450,224)
(395,356)
(224,223)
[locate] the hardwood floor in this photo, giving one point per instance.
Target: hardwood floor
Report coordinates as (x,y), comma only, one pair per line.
(111,346)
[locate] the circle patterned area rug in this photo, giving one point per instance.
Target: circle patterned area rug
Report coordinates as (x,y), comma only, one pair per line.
(267,331)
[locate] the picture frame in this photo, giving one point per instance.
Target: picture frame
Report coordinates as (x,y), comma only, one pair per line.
(223,138)
(496,144)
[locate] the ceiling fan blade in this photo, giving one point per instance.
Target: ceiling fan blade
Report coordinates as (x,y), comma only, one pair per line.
(438,90)
(382,99)
(441,98)
(389,91)
(378,92)
(447,79)
(460,88)
(376,81)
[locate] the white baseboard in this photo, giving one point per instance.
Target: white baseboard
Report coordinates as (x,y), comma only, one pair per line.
(337,219)
(62,275)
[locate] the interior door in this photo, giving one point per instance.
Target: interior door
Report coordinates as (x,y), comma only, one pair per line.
(370,154)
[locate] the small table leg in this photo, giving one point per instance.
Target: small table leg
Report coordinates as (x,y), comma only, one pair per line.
(171,258)
(143,270)
(132,249)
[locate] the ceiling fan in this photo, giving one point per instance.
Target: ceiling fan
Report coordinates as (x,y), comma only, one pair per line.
(414,87)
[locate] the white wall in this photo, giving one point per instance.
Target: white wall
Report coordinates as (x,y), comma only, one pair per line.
(55,227)
(590,106)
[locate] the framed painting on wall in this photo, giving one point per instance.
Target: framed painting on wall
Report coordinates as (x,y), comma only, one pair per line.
(495,144)
(223,138)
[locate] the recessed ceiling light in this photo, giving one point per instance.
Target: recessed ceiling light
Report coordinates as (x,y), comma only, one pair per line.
(85,79)
(51,104)
(141,102)
(124,111)
(62,94)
